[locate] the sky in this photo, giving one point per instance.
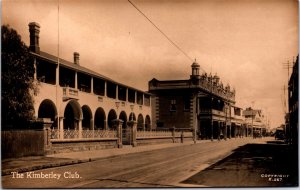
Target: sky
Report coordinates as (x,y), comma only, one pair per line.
(245,42)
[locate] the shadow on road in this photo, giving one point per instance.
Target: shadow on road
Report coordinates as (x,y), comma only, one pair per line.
(253,165)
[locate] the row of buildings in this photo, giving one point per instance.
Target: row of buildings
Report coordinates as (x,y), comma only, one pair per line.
(77,98)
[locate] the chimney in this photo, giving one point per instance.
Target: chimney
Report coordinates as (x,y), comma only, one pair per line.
(76,58)
(34,30)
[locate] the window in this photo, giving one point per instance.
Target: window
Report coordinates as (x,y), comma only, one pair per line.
(173,104)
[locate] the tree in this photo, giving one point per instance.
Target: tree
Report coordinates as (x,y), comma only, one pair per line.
(17,80)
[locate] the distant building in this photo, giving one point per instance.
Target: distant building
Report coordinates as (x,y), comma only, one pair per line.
(293,127)
(77,98)
(255,122)
(200,103)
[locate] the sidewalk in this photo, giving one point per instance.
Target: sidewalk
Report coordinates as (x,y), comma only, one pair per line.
(26,164)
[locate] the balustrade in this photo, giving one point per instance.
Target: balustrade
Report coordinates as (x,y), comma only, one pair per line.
(85,134)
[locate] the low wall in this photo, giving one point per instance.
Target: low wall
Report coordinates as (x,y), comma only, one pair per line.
(76,145)
(20,143)
(161,140)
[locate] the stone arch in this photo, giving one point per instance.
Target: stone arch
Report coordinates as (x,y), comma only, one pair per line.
(72,115)
(123,116)
(47,109)
(87,117)
(140,122)
(132,116)
(147,122)
(100,119)
(111,116)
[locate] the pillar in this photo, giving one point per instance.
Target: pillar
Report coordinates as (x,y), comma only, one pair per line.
(35,69)
(80,128)
(105,88)
(225,131)
(132,125)
(91,124)
(47,134)
(117,124)
(117,92)
(219,130)
(212,130)
(173,134)
(61,127)
(105,125)
(92,85)
(76,82)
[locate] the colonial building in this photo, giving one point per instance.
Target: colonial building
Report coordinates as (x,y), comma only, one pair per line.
(77,98)
(200,103)
(293,127)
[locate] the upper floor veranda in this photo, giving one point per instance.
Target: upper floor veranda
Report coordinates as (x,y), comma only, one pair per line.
(74,79)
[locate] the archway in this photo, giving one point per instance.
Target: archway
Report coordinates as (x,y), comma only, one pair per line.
(132,117)
(72,115)
(147,122)
(100,119)
(87,117)
(47,109)
(140,122)
(123,117)
(111,116)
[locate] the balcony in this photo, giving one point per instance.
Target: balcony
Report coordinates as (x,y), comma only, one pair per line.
(213,112)
(69,93)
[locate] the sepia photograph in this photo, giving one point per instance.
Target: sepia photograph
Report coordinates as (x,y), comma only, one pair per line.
(101,94)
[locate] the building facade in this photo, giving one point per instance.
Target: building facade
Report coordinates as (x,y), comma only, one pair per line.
(77,98)
(201,104)
(255,122)
(293,125)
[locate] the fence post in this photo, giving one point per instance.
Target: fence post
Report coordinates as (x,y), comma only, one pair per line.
(133,130)
(194,136)
(47,134)
(117,124)
(173,134)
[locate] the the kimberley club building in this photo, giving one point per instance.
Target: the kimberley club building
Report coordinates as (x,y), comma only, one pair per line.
(76,98)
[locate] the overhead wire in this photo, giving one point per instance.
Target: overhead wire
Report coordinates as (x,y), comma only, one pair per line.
(169,39)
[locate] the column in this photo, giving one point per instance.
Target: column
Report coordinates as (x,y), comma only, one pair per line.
(212,130)
(225,131)
(80,128)
(117,92)
(105,125)
(61,128)
(92,85)
(57,76)
(35,69)
(105,88)
(219,130)
(76,82)
(91,124)
(126,94)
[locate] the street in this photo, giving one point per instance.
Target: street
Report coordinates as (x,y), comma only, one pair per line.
(159,168)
